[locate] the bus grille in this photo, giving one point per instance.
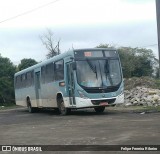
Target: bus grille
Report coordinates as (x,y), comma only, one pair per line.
(97,102)
(107,90)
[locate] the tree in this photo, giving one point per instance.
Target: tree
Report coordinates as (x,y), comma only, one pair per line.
(7,72)
(48,41)
(147,59)
(103,46)
(25,63)
(106,46)
(127,56)
(135,61)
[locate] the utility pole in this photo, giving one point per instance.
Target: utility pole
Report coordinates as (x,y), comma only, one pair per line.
(158,28)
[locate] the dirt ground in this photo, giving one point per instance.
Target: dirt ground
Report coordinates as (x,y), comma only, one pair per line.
(82,127)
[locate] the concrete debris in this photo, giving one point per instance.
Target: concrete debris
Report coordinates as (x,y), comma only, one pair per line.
(142,113)
(142,96)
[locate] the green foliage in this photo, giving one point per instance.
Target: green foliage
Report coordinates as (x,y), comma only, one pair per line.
(25,63)
(8,106)
(6,80)
(127,57)
(103,46)
(7,67)
(7,72)
(135,61)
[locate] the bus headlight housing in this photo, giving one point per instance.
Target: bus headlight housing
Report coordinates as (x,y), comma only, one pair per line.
(82,95)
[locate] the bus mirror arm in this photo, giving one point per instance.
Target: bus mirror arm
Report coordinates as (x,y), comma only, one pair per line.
(74,65)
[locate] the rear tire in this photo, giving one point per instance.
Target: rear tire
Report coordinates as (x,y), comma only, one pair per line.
(99,109)
(30,108)
(62,109)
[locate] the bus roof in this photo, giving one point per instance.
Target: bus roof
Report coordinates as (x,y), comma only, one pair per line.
(58,57)
(95,49)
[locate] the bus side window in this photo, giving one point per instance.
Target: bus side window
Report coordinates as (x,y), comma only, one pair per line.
(43,72)
(32,78)
(29,79)
(59,70)
(18,82)
(49,76)
(26,80)
(23,80)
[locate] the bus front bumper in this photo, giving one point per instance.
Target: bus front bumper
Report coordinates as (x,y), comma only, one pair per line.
(86,103)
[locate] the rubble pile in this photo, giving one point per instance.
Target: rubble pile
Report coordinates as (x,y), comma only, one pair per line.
(141,91)
(142,96)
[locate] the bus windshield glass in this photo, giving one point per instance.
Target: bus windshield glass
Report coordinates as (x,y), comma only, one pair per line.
(98,73)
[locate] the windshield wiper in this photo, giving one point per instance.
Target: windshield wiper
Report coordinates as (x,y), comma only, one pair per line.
(94,69)
(106,71)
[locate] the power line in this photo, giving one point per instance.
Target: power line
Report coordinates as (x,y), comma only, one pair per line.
(30,11)
(148,45)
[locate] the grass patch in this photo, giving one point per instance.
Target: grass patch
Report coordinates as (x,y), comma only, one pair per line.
(8,106)
(157,84)
(153,108)
(135,108)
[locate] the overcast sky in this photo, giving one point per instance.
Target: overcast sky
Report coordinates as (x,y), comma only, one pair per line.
(78,23)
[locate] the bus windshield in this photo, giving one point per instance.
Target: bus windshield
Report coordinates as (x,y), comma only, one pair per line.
(98,73)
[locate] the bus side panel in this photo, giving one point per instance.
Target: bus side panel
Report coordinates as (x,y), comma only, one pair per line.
(48,94)
(21,96)
(18,97)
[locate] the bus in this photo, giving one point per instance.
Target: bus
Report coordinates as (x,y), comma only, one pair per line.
(76,79)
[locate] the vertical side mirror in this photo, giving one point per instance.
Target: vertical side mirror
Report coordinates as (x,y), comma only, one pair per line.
(74,66)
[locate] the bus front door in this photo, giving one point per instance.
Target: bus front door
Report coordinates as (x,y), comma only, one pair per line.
(70,84)
(38,88)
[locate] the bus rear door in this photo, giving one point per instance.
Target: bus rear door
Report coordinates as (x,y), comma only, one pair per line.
(38,87)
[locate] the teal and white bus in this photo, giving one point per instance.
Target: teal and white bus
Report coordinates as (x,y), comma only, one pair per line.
(81,78)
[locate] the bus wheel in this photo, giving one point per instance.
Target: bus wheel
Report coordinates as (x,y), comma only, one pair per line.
(99,109)
(30,108)
(62,109)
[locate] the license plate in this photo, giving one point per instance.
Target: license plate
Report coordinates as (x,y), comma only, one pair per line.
(103,103)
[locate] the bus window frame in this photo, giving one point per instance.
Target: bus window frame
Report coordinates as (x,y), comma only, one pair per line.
(56,71)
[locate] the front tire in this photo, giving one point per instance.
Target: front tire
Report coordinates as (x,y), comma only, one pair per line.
(99,109)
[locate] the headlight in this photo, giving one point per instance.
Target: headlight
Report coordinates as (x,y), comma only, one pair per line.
(82,95)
